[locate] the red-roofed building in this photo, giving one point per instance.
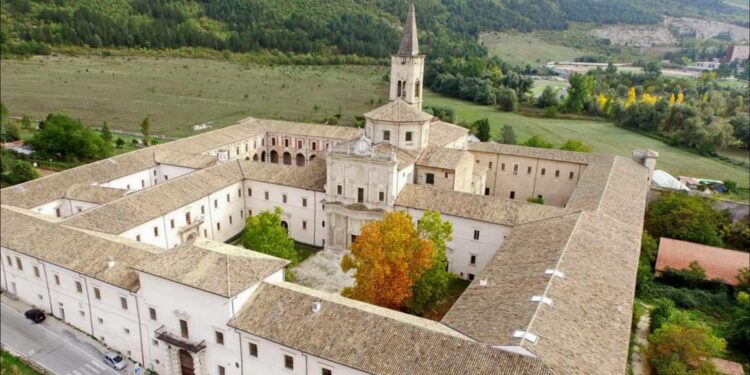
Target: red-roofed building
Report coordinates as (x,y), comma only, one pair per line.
(717,262)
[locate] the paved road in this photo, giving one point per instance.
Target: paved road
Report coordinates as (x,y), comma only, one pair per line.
(60,354)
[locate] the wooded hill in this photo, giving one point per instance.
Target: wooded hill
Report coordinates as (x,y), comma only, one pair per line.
(344,27)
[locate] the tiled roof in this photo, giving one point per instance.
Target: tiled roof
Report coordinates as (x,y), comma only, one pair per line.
(445,158)
(536,152)
(486,208)
(182,159)
(212,266)
(80,251)
(370,338)
(442,133)
(310,177)
(409,45)
(398,111)
(93,193)
(310,130)
(718,263)
(404,158)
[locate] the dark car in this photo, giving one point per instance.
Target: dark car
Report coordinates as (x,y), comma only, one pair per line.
(35,315)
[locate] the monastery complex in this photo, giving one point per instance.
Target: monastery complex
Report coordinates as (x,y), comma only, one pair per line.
(132,251)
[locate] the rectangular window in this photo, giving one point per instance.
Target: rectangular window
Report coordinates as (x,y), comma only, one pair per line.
(166,177)
(557,173)
(216,203)
(138,238)
(544,171)
(386,135)
(339,189)
(203,209)
(188,219)
(9,260)
(156,231)
(230,219)
(502,166)
(314,146)
(253,349)
(273,141)
(239,192)
(471,277)
(473,260)
(171,223)
(222,371)
(490,165)
(286,142)
(184,329)
(19,264)
(249,213)
(486,191)
(154,172)
(126,330)
(57,279)
(446,174)
(408,136)
(205,233)
(100,320)
(36,271)
(79,287)
(218,227)
(152,313)
(360,195)
(326,371)
(512,195)
(324,223)
(266,194)
(515,168)
(381,196)
(429,178)
(97,293)
(143,183)
(570,176)
(304,202)
(476,234)
(227,198)
(289,362)
(299,144)
(283,198)
(249,192)
(219,337)
(304,225)
(528,170)
(124,303)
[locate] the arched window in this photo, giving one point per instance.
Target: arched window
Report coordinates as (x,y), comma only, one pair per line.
(398,88)
(403,89)
(416,89)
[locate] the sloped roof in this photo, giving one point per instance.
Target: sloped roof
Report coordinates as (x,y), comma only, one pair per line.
(80,251)
(444,158)
(398,111)
(212,266)
(93,193)
(310,177)
(723,264)
(404,158)
(409,45)
(311,130)
(442,133)
(486,208)
(537,152)
(182,159)
(369,338)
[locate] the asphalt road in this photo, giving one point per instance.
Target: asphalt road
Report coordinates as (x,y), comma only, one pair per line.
(59,354)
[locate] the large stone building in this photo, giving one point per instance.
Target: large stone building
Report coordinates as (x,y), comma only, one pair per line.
(131,250)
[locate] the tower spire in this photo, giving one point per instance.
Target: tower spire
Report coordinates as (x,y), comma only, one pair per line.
(409,42)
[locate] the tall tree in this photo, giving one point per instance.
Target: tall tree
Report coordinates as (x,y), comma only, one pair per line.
(683,346)
(389,256)
(146,131)
(65,138)
(264,233)
(483,129)
(106,134)
(580,89)
(508,135)
(685,217)
(432,288)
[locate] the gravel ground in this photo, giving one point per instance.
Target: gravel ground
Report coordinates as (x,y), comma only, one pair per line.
(322,271)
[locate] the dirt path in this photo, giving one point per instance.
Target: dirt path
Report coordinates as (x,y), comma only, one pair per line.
(639,363)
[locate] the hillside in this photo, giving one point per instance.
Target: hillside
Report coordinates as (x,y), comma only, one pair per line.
(348,27)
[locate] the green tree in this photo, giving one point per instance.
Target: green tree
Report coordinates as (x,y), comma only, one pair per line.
(575,145)
(106,134)
(9,132)
(432,287)
(685,217)
(660,313)
(683,346)
(550,97)
(507,99)
(537,141)
(741,128)
(3,112)
(146,131)
(508,135)
(119,142)
(581,87)
(652,67)
(483,129)
(739,327)
(22,171)
(25,122)
(65,138)
(264,233)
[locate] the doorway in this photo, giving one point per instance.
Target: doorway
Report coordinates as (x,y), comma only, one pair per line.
(186,363)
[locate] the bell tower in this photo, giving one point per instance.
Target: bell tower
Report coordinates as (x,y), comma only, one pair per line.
(407,66)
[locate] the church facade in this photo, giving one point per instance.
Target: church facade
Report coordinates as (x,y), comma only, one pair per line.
(132,249)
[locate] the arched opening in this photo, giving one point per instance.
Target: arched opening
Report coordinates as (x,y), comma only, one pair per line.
(285,226)
(398,88)
(247,158)
(287,158)
(274,157)
(255,157)
(263,156)
(191,236)
(312,157)
(300,160)
(186,363)
(417,89)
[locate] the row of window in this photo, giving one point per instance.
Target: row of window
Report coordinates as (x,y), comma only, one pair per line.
(409,136)
(543,171)
(300,143)
(360,194)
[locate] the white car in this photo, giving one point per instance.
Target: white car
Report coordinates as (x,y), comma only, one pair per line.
(115,360)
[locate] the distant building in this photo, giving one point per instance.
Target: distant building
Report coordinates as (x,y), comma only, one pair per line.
(708,65)
(718,263)
(738,53)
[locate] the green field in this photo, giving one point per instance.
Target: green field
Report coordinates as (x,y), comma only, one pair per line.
(526,48)
(603,137)
(178,93)
(540,84)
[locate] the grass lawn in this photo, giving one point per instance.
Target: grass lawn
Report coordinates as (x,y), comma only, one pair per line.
(540,84)
(12,365)
(305,251)
(456,288)
(178,92)
(519,48)
(602,136)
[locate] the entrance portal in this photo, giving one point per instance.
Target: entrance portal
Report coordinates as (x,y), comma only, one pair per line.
(186,363)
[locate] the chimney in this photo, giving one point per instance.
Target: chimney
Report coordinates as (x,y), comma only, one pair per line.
(647,158)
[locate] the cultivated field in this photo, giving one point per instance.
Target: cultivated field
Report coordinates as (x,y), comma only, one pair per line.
(178,93)
(603,137)
(526,48)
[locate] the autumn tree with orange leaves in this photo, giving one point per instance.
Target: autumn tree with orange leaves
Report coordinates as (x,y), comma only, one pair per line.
(389,256)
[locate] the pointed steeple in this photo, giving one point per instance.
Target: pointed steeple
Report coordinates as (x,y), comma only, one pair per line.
(409,43)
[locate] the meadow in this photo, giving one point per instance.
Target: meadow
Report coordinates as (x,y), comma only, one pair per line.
(178,93)
(602,136)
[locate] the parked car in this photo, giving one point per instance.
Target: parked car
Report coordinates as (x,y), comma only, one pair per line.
(115,360)
(35,315)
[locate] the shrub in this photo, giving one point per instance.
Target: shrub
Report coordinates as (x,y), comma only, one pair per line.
(507,99)
(661,312)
